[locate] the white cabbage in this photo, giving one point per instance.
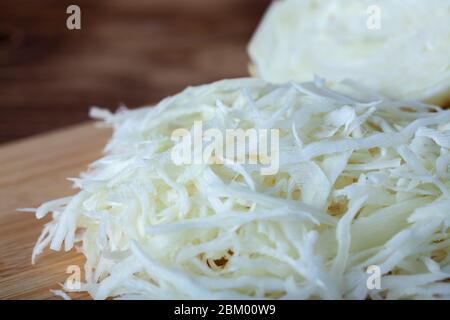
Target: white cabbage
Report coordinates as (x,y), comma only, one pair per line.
(360,183)
(401,50)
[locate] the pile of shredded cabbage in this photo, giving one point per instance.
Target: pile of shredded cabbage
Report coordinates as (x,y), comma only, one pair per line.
(363,181)
(401,50)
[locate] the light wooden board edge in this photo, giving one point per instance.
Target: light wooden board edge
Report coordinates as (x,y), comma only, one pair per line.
(32,171)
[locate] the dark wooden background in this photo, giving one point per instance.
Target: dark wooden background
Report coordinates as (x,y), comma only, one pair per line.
(133,52)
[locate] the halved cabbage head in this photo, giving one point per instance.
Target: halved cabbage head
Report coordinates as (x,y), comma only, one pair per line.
(400,49)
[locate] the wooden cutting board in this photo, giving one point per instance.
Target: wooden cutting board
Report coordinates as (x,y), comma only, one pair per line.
(33,171)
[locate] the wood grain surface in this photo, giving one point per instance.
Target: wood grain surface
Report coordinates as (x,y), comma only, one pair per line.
(32,171)
(133,52)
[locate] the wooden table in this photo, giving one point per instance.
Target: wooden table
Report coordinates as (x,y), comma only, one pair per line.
(133,52)
(32,171)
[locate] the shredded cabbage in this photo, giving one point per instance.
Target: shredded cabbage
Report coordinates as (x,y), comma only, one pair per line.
(401,51)
(360,183)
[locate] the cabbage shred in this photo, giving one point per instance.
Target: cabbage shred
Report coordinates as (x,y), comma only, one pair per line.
(362,182)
